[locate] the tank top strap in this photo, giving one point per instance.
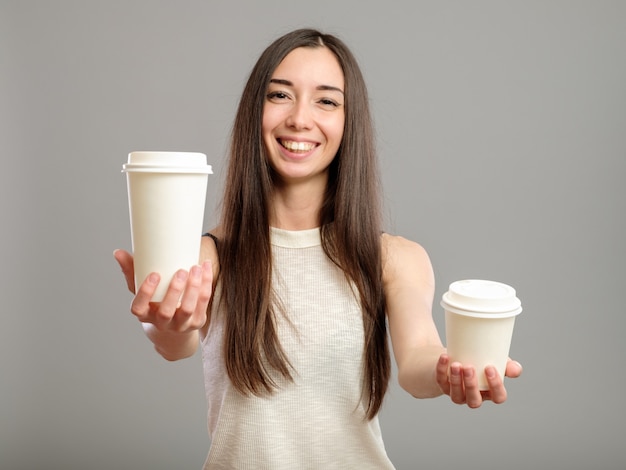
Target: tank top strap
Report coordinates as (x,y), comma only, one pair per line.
(215,239)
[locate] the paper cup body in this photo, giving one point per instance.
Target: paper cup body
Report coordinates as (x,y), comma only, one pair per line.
(480,317)
(166,203)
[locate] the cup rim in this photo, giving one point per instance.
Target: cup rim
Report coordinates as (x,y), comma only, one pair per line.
(481,314)
(144,168)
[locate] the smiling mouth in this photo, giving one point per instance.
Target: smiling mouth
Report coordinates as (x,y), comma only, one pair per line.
(297,147)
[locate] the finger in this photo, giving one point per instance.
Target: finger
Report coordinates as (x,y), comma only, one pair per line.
(189,300)
(127,263)
(513,369)
(204,293)
(497,391)
(140,306)
(171,300)
(442,373)
(457,392)
(473,396)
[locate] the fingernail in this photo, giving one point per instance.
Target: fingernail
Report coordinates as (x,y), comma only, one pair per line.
(490,372)
(468,373)
(153,278)
(182,275)
(196,272)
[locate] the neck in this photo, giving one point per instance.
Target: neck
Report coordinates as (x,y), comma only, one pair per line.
(296,207)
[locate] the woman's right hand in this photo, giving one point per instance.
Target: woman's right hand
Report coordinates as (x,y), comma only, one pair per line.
(176,313)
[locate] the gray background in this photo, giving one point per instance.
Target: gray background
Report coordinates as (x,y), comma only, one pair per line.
(501,131)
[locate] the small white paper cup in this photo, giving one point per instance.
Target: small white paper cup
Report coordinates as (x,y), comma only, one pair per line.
(480,316)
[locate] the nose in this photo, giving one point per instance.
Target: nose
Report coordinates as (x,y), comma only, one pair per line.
(300,116)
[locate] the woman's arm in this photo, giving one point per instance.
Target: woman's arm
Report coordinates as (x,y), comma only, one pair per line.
(424,368)
(409,289)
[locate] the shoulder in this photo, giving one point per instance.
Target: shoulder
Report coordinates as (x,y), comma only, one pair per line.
(399,242)
(404,260)
(397,250)
(208,248)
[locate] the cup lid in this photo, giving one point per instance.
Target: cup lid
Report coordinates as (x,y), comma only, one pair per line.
(169,159)
(479,295)
(167,162)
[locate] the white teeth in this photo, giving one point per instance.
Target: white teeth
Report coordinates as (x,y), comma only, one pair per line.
(297,146)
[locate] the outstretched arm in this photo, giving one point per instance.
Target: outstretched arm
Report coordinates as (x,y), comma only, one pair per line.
(409,289)
(424,368)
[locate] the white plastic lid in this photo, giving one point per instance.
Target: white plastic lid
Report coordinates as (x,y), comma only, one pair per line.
(170,162)
(476,295)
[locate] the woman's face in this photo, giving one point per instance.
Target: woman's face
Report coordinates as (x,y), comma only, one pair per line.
(303,115)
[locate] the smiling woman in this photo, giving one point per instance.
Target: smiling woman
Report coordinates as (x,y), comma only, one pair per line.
(298,282)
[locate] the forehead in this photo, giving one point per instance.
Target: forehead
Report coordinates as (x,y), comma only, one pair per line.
(311,65)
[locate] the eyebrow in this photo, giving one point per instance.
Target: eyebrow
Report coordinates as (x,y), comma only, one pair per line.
(281,81)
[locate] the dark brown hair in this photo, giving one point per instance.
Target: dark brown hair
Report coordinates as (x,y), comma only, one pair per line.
(350,221)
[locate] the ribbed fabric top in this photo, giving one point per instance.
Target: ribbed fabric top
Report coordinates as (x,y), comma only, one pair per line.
(317,421)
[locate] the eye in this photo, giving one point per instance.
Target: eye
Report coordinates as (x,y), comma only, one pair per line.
(277,96)
(328,103)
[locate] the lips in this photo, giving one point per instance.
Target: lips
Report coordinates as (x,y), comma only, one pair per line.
(297,147)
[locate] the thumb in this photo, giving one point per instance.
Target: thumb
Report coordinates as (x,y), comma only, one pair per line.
(127,264)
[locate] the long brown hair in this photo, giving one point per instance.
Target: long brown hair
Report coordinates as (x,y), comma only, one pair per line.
(350,221)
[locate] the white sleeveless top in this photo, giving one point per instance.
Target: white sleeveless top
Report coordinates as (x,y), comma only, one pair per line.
(318,421)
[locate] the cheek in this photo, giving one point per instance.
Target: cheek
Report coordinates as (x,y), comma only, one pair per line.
(336,130)
(265,124)
(270,119)
(267,128)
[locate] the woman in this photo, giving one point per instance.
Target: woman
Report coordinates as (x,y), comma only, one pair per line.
(294,338)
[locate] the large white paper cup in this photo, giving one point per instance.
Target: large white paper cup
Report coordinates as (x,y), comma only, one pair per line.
(166,196)
(480,316)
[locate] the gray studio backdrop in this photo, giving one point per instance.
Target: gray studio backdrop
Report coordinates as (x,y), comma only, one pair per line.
(501,132)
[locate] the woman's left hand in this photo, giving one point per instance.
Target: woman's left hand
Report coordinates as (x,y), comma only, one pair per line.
(461,384)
